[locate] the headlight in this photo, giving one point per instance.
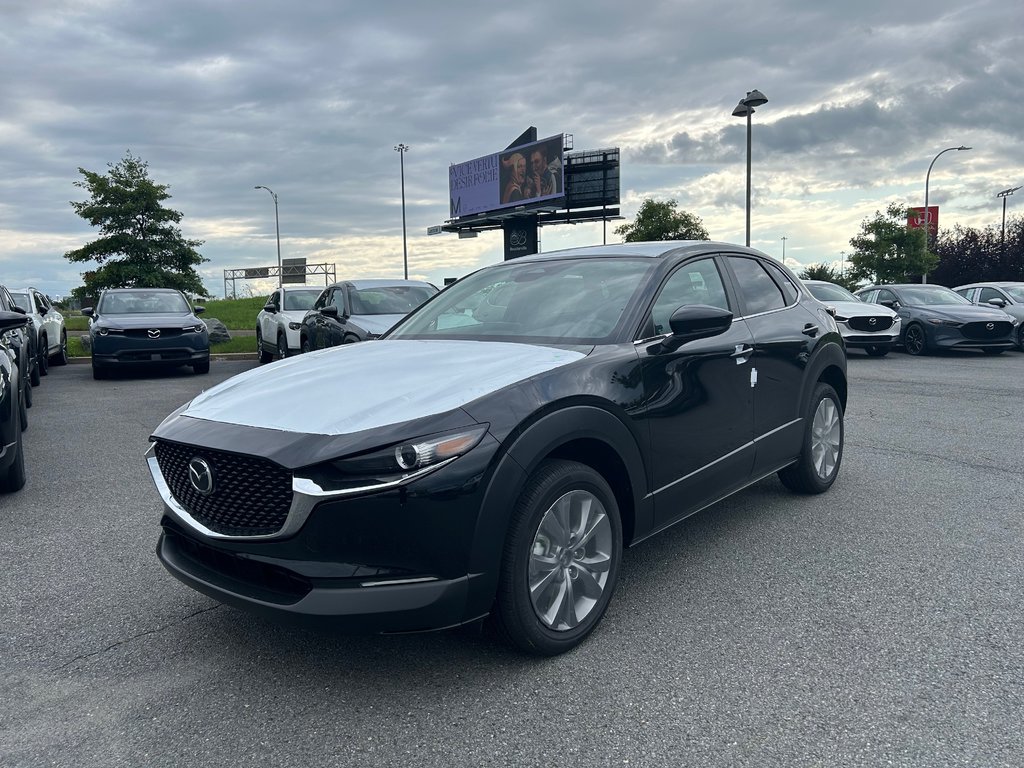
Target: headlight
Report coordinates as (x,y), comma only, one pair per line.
(840,318)
(393,465)
(194,328)
(104,331)
(294,326)
(948,323)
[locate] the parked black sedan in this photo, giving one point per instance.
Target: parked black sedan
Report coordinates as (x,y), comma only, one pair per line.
(934,318)
(146,326)
(359,310)
(12,409)
(497,460)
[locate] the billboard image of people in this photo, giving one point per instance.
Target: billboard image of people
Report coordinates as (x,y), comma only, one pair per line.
(522,175)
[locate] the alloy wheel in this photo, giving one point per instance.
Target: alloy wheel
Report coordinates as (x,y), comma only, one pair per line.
(569,560)
(826,437)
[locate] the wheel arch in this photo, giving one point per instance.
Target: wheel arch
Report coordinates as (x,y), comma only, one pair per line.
(584,433)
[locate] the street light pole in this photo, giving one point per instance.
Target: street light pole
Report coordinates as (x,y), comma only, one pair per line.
(1005,194)
(784,239)
(401,149)
(746,109)
(927,228)
(277,228)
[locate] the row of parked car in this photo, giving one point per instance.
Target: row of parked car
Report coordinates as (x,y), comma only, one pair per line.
(32,338)
(926,318)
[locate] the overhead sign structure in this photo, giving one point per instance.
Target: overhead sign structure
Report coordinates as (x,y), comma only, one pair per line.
(519,176)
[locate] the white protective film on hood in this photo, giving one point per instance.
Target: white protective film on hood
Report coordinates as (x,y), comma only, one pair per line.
(356,387)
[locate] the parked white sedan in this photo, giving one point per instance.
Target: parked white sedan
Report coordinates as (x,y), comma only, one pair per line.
(278,323)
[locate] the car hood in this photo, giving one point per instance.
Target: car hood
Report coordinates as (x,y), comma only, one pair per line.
(162,320)
(859,309)
(966,313)
(355,387)
(375,324)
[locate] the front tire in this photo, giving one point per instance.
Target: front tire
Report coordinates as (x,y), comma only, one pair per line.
(14,478)
(822,452)
(44,357)
(877,351)
(282,346)
(305,346)
(990,351)
(201,367)
(915,341)
(561,559)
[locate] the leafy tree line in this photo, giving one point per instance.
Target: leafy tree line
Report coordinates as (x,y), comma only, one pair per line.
(140,244)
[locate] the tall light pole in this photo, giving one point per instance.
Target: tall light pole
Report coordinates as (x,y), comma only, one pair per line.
(927,227)
(745,109)
(784,239)
(1005,194)
(277,228)
(401,149)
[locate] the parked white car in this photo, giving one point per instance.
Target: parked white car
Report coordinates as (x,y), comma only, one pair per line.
(278,323)
(50,336)
(871,327)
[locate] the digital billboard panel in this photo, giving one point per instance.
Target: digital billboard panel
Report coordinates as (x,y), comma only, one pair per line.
(522,175)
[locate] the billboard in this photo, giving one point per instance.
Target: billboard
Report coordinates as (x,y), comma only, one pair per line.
(523,175)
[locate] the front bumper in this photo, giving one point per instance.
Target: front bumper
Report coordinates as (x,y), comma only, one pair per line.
(945,337)
(111,350)
(390,561)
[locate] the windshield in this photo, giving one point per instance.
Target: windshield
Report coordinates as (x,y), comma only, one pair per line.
(300,300)
(389,299)
(1016,292)
(929,295)
(21,300)
(571,301)
(143,303)
(830,292)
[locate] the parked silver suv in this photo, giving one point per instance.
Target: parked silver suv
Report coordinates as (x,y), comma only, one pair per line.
(47,325)
(871,327)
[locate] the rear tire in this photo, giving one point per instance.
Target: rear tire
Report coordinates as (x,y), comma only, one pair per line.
(561,559)
(305,346)
(822,452)
(61,356)
(265,357)
(24,403)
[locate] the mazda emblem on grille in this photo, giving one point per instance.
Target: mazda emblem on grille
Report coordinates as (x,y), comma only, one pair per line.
(200,475)
(873,321)
(990,326)
(154,333)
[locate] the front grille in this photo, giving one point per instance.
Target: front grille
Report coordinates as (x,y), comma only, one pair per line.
(143,333)
(876,323)
(982,331)
(251,496)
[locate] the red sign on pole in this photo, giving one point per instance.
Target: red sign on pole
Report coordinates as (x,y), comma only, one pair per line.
(915,219)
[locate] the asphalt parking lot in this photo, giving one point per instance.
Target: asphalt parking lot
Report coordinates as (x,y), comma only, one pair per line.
(879,624)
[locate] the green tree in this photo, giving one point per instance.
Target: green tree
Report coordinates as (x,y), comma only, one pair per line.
(828,274)
(140,244)
(657,220)
(888,251)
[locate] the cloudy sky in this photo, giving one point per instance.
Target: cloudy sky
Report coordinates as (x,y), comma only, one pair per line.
(310,98)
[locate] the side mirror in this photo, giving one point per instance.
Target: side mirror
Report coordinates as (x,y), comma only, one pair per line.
(695,321)
(330,310)
(997,302)
(19,310)
(270,307)
(9,321)
(198,310)
(87,311)
(889,303)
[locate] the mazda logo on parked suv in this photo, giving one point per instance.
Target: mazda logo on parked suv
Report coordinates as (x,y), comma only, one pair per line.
(200,475)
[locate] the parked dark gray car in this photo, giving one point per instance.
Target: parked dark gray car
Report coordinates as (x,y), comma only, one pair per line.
(934,318)
(12,409)
(360,310)
(146,326)
(1007,296)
